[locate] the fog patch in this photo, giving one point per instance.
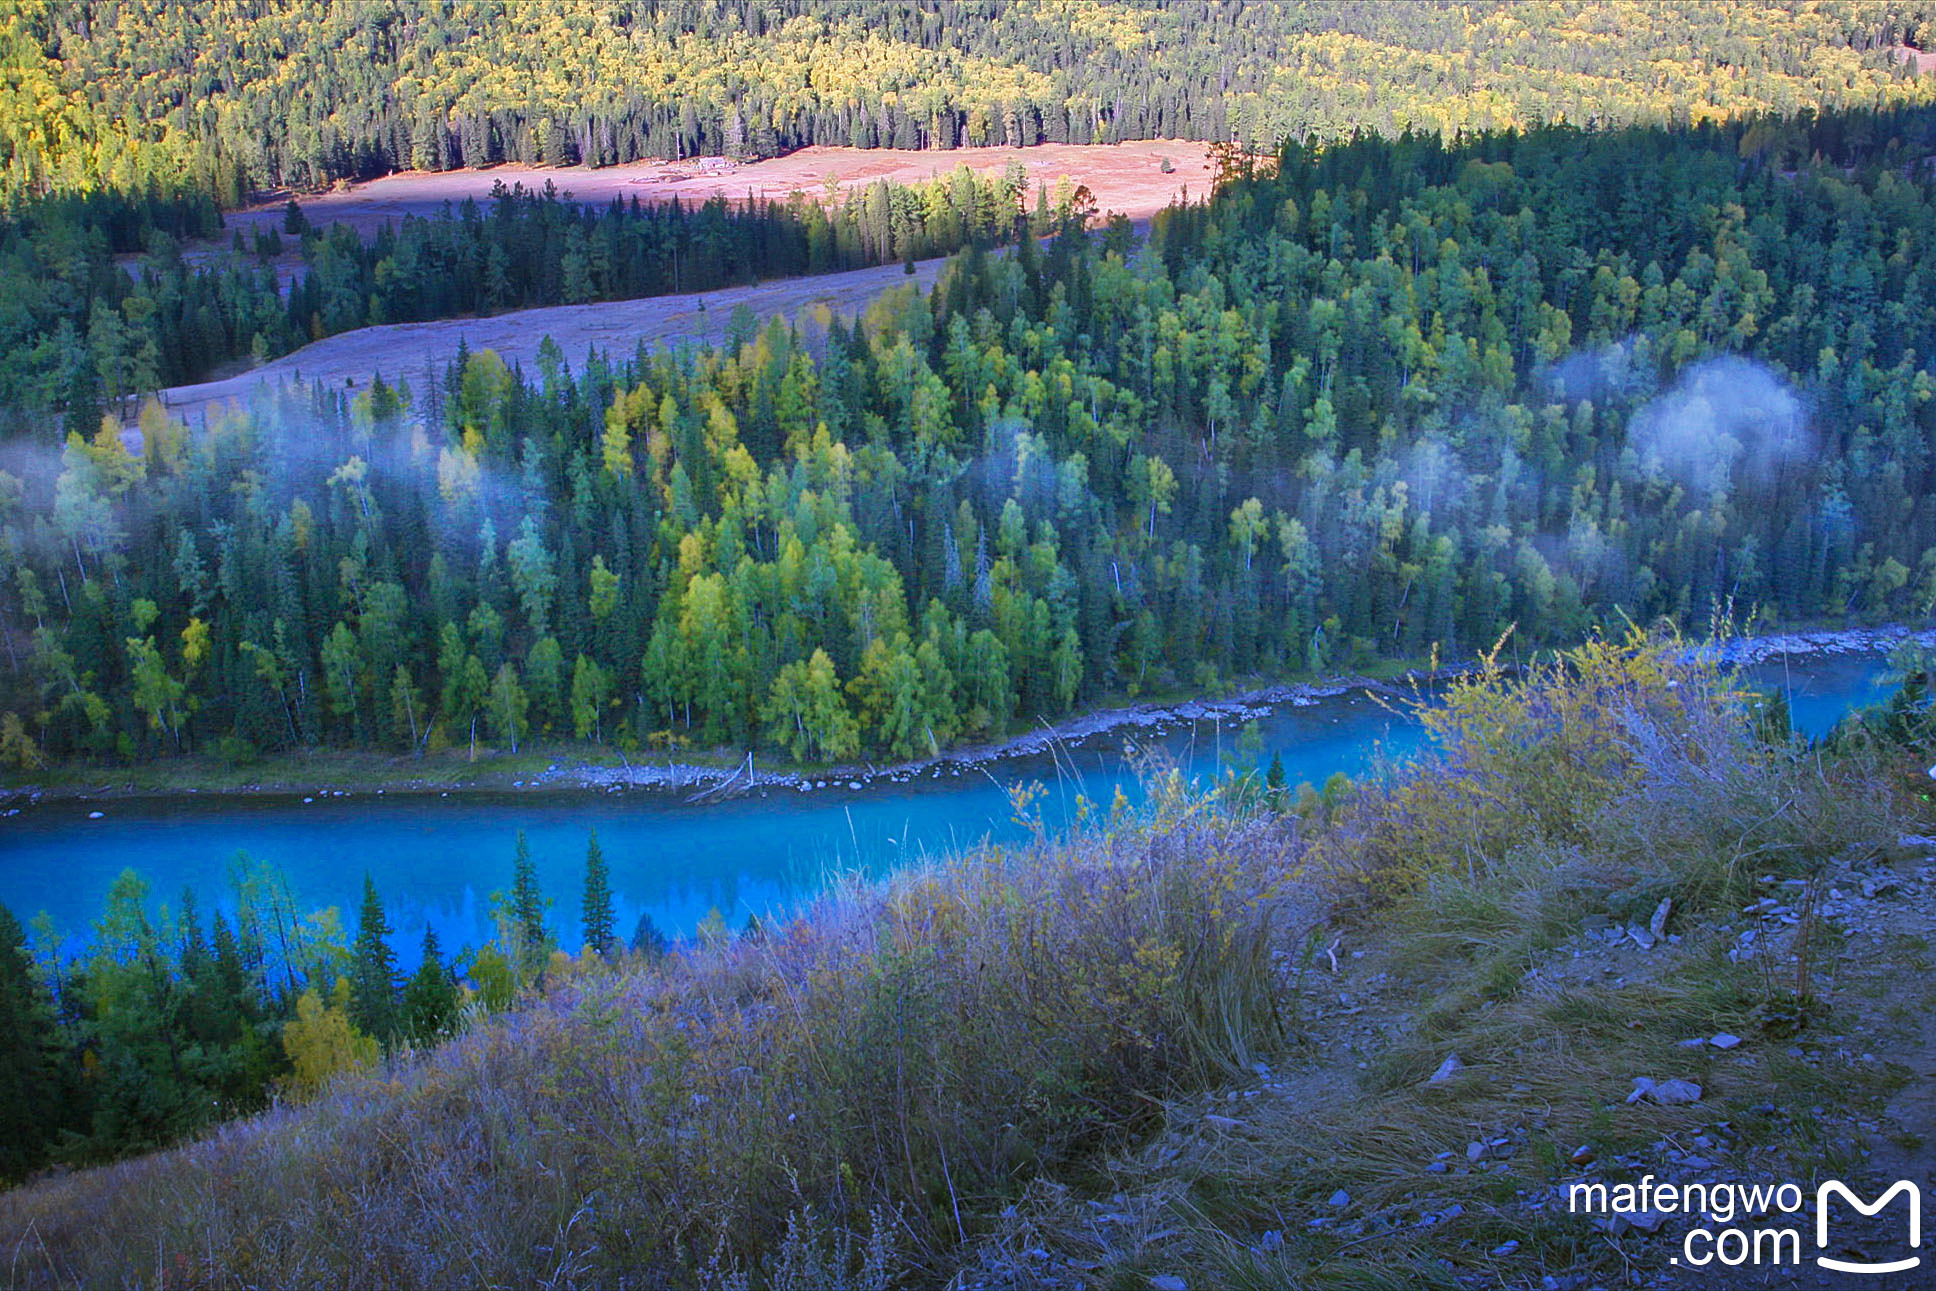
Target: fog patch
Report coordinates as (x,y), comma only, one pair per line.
(1610,373)
(1725,418)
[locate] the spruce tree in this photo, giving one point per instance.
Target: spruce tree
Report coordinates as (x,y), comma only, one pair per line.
(373,977)
(527,907)
(430,998)
(82,409)
(1274,782)
(598,898)
(30,1105)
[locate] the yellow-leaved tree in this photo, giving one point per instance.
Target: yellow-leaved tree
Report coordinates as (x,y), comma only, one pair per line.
(322,1043)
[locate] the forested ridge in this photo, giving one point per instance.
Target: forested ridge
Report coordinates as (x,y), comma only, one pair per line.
(223,99)
(1396,395)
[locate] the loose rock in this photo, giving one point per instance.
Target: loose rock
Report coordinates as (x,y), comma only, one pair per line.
(1668,1093)
(1658,924)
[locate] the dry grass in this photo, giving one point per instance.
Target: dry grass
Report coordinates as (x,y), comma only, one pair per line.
(871,1076)
(1633,778)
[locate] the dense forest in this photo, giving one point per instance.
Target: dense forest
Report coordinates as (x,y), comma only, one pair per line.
(99,304)
(173,1018)
(225,99)
(1391,395)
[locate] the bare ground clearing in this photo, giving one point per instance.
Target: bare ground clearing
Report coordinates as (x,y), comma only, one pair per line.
(407,350)
(1126,177)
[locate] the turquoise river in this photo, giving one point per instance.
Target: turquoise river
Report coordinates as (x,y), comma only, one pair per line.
(437,859)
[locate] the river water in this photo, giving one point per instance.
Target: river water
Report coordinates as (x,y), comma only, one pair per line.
(437,859)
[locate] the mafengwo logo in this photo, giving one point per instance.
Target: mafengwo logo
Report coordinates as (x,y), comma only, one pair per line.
(1722,1235)
(1833,1188)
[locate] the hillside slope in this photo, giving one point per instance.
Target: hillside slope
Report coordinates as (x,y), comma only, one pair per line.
(1208,1047)
(306,92)
(410,351)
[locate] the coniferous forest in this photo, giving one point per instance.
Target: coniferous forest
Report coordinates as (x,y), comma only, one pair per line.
(104,305)
(1388,396)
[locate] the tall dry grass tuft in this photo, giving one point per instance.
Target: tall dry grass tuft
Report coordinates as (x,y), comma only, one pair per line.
(1541,754)
(1627,782)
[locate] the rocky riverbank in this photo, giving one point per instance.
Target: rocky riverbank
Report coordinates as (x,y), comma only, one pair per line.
(336,775)
(1139,719)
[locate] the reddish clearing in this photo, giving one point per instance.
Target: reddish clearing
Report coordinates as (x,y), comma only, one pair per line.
(1126,178)
(1925,62)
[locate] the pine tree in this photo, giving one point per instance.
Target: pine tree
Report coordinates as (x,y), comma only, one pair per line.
(29,1102)
(430,998)
(598,898)
(527,908)
(373,984)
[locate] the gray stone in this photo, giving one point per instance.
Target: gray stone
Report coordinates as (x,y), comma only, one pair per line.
(1646,1221)
(1673,1092)
(1668,1093)
(1451,1067)
(1658,924)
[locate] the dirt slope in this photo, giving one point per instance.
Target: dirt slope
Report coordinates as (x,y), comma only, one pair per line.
(407,350)
(1127,177)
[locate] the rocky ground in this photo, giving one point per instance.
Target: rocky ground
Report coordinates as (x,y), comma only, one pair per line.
(1047,737)
(1439,1142)
(1759,649)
